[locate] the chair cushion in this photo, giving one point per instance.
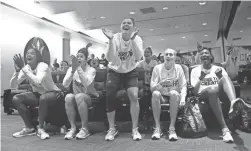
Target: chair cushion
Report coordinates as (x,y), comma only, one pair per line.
(122,95)
(99,86)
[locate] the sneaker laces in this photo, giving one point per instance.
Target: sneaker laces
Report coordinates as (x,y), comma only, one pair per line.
(83,129)
(24,130)
(111,130)
(157,130)
(135,131)
(172,131)
(40,130)
(225,130)
(71,130)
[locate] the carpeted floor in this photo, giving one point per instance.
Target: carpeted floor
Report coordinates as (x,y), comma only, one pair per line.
(213,142)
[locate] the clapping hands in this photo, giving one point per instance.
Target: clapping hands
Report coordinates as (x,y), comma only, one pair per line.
(218,73)
(107,33)
(74,62)
(18,62)
(134,33)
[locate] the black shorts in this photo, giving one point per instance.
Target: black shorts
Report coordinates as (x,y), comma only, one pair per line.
(126,80)
(116,81)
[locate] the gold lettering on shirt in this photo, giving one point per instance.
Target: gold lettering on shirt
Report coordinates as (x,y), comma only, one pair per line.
(125,55)
(209,81)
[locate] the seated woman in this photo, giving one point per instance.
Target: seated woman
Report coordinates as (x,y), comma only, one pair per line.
(147,64)
(210,82)
(197,60)
(82,76)
(45,93)
(94,62)
(168,83)
(64,66)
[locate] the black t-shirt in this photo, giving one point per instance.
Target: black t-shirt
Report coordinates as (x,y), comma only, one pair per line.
(103,62)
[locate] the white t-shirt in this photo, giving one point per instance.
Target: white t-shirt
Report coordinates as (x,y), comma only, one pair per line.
(148,69)
(210,79)
(175,79)
(124,59)
(40,79)
(82,80)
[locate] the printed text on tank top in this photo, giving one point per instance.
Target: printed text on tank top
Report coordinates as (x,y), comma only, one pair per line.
(170,78)
(126,49)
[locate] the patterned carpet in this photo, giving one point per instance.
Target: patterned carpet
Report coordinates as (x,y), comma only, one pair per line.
(124,142)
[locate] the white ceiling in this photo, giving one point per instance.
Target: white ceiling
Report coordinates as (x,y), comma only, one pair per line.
(241,26)
(181,19)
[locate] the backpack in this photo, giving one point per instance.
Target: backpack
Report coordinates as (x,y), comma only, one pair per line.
(192,124)
(245,119)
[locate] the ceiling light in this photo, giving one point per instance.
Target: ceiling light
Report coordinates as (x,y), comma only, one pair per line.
(151,29)
(162,39)
(36,2)
(249,18)
(176,26)
(184,37)
(202,3)
(205,35)
(132,13)
(241,31)
(204,24)
(151,46)
(102,17)
(165,8)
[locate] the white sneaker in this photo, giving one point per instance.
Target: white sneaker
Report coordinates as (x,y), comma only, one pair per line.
(172,135)
(42,134)
(111,134)
(25,132)
(70,134)
(227,137)
(136,135)
(157,133)
(83,133)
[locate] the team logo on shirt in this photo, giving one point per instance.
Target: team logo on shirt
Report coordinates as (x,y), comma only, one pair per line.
(125,55)
(171,83)
(209,81)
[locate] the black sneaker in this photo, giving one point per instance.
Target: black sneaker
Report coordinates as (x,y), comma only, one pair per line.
(236,110)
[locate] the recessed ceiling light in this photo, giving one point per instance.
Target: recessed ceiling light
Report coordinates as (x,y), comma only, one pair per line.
(151,29)
(202,3)
(132,13)
(241,31)
(102,17)
(165,8)
(176,26)
(36,2)
(249,18)
(205,35)
(162,39)
(184,37)
(204,24)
